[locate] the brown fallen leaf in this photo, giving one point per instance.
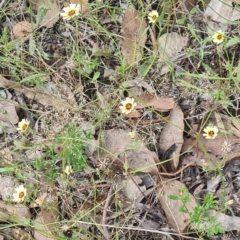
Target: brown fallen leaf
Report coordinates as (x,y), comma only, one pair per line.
(45,223)
(208,153)
(225,147)
(169,46)
(17,213)
(134,36)
(226,223)
(36,94)
(193,154)
(8,111)
(178,220)
(142,160)
(41,231)
(51,15)
(22,29)
(6,156)
(48,203)
(158,103)
(116,143)
(221,13)
(133,189)
(137,87)
(134,114)
(6,127)
(235,127)
(172,133)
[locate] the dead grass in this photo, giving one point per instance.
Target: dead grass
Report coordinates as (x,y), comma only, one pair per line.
(68,79)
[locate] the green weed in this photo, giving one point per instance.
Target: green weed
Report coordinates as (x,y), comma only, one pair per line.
(199,217)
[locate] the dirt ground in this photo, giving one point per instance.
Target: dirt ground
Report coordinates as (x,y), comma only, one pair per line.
(119,119)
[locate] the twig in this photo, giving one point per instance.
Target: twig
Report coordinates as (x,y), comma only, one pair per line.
(106,233)
(179,171)
(137,229)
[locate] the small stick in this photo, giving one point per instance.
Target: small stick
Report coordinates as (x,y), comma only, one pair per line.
(179,171)
(106,233)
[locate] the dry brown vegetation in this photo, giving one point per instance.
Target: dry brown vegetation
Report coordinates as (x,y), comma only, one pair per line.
(168,169)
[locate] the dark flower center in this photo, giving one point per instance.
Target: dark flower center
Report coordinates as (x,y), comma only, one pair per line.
(71,13)
(24,126)
(21,195)
(211,133)
(154,17)
(128,106)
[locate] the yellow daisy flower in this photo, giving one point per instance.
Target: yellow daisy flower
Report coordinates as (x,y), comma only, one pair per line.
(218,37)
(23,125)
(21,193)
(210,132)
(153,16)
(127,105)
(68,170)
(71,11)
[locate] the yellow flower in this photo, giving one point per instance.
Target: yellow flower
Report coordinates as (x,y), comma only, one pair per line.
(230,202)
(210,132)
(71,11)
(153,16)
(23,125)
(218,37)
(132,134)
(127,105)
(21,193)
(68,170)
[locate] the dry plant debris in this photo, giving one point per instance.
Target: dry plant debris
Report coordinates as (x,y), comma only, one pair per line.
(133,36)
(119,119)
(177,220)
(171,134)
(169,46)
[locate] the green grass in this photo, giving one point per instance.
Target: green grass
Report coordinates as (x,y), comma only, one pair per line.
(93,51)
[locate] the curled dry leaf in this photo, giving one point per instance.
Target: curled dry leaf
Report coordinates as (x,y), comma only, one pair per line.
(169,46)
(178,220)
(172,133)
(22,29)
(134,36)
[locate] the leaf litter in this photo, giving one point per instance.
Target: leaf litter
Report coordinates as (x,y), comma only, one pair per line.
(127,153)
